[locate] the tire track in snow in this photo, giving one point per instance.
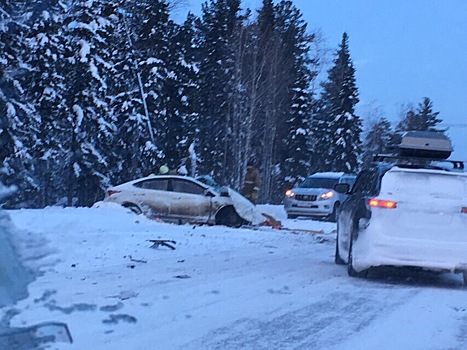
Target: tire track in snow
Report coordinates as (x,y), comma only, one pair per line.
(462,334)
(319,325)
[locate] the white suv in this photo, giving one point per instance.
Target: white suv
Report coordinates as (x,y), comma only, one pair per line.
(315,197)
(405,211)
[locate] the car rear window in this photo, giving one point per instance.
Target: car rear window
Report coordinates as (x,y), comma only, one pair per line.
(319,182)
(421,182)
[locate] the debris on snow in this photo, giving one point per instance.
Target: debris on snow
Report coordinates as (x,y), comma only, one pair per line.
(114,319)
(162,242)
(137,260)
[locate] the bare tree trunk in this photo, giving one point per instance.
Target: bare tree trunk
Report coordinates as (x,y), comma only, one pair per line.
(252,111)
(71,173)
(239,145)
(140,83)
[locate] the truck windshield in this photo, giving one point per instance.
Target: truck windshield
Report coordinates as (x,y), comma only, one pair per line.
(319,182)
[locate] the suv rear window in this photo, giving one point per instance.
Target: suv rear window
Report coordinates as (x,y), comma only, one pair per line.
(424,183)
(318,182)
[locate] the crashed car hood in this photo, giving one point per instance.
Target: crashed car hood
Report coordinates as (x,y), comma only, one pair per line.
(245,208)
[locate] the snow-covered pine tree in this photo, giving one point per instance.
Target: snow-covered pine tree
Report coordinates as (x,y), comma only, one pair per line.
(47,88)
(153,29)
(237,142)
(217,53)
(124,98)
(91,125)
(179,93)
(428,118)
(292,153)
(167,72)
(18,118)
(183,89)
(377,140)
(338,127)
(134,151)
(421,119)
(268,60)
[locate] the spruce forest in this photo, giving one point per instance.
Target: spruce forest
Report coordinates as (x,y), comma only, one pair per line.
(94,93)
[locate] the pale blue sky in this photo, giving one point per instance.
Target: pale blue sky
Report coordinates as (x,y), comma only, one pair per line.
(403,50)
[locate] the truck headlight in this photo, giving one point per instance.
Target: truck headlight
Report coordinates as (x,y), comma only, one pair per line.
(326,195)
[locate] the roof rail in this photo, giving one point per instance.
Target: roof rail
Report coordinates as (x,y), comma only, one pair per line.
(457,165)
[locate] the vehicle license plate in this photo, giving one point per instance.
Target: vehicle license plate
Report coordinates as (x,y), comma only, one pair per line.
(304,205)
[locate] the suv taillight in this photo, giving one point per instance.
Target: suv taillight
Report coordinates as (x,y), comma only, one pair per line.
(379,203)
(111,192)
(464,210)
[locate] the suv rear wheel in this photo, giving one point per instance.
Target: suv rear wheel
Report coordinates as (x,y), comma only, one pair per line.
(333,216)
(350,269)
(337,257)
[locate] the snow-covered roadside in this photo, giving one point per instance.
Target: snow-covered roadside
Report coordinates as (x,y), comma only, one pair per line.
(105,272)
(16,249)
(221,288)
(14,277)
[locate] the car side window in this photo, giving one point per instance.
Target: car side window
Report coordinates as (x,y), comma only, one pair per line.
(153,184)
(180,185)
(365,182)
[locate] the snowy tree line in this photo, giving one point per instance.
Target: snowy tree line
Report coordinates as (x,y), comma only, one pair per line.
(98,92)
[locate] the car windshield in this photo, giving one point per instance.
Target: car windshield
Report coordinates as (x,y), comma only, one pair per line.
(319,182)
(208,180)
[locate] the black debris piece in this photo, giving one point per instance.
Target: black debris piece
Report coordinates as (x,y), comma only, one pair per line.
(182,276)
(162,242)
(138,260)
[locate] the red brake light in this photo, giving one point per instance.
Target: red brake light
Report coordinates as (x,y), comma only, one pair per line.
(464,210)
(111,192)
(382,203)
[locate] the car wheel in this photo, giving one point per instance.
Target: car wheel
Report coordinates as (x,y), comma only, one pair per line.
(229,217)
(291,216)
(350,270)
(337,257)
(133,207)
(333,216)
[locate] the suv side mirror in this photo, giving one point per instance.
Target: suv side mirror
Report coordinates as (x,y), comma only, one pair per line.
(342,188)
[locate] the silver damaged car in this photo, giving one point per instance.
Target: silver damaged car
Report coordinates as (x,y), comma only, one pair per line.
(184,199)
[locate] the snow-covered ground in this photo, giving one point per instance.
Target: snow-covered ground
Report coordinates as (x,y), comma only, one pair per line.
(221,288)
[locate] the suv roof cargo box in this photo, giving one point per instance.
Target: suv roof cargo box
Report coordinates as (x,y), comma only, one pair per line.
(425,144)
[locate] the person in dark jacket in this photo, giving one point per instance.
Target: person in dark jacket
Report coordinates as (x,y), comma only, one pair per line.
(252,182)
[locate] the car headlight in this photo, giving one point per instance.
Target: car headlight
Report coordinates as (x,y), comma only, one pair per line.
(326,195)
(289,193)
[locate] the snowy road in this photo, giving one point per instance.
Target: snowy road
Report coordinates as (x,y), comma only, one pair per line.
(221,288)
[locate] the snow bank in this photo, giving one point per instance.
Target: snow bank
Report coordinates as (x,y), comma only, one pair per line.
(14,277)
